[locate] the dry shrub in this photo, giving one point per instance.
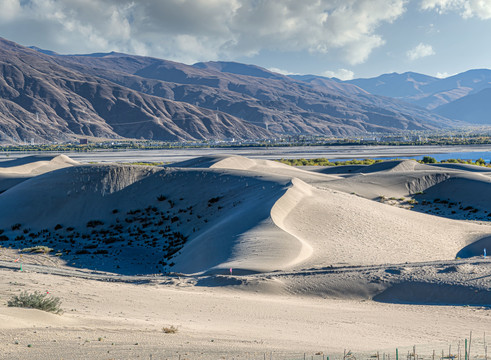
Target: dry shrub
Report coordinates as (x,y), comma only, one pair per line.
(36,300)
(170,330)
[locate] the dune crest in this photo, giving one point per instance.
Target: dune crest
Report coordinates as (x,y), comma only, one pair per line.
(284,206)
(36,164)
(14,172)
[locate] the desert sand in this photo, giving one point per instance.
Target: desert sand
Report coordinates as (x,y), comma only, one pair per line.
(247,258)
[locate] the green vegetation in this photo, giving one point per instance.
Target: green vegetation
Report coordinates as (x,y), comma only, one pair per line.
(327,162)
(428,160)
(36,300)
(478,162)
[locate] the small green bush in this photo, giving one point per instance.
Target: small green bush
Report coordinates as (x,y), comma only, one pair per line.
(428,160)
(36,300)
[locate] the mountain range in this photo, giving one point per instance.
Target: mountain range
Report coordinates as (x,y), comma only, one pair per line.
(465,96)
(45,96)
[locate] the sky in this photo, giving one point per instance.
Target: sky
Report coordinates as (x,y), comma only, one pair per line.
(334,38)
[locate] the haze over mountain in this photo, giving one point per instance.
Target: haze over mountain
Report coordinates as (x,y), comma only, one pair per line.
(465,96)
(45,96)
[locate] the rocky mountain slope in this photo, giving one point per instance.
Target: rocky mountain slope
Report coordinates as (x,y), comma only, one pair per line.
(45,96)
(273,101)
(43,100)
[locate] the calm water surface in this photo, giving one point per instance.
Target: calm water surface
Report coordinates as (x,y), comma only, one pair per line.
(330,152)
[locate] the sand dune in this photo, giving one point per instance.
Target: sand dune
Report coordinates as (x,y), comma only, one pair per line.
(307,250)
(448,191)
(225,214)
(13,172)
(36,164)
(234,212)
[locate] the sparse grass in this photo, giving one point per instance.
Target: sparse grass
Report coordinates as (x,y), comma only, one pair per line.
(144,163)
(36,300)
(38,249)
(170,329)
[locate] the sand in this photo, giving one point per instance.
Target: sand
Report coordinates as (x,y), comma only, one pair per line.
(245,257)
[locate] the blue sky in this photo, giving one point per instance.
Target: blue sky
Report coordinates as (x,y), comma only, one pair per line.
(343,38)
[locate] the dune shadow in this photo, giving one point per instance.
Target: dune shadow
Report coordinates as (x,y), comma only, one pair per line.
(475,249)
(419,293)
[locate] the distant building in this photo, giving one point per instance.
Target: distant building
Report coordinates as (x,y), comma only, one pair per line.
(84,141)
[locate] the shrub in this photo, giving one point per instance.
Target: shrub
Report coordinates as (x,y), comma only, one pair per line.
(94,223)
(213,200)
(16,227)
(170,330)
(58,226)
(38,249)
(480,162)
(161,198)
(428,160)
(36,300)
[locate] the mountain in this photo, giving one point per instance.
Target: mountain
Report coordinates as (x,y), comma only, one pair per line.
(43,100)
(256,95)
(45,96)
(475,108)
(456,97)
(404,86)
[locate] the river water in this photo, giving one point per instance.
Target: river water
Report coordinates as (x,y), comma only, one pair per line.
(473,152)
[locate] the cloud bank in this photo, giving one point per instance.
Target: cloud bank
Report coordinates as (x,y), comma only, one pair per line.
(196,30)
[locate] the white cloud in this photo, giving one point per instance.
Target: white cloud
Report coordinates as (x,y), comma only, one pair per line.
(420,51)
(194,30)
(281,71)
(10,9)
(342,74)
(444,75)
(467,8)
